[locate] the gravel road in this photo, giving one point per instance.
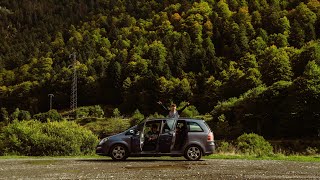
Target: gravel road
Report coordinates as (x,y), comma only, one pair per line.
(153,168)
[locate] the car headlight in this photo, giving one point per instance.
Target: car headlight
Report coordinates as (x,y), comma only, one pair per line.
(103,141)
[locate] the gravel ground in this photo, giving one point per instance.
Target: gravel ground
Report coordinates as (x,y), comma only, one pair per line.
(153,168)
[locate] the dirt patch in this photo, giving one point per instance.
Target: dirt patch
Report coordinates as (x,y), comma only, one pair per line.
(42,162)
(139,168)
(157,167)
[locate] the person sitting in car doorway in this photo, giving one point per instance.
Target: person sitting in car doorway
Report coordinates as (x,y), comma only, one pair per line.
(181,135)
(153,134)
(151,138)
(173,113)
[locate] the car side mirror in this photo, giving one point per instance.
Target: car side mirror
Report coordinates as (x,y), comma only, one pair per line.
(136,132)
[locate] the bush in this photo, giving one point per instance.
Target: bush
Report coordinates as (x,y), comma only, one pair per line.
(311,151)
(253,144)
(155,115)
(52,115)
(20,115)
(107,127)
(90,111)
(116,113)
(225,147)
(136,118)
(4,115)
(84,121)
(33,138)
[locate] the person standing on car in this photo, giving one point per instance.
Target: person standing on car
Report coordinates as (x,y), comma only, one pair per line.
(173,113)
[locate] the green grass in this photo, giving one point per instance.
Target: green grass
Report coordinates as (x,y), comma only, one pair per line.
(279,157)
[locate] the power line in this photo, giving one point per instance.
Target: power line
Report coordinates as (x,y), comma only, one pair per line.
(74,88)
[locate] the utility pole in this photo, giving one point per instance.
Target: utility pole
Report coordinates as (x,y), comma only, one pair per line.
(50,104)
(74,96)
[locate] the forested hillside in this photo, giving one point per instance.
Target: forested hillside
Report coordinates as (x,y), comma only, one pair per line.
(252,64)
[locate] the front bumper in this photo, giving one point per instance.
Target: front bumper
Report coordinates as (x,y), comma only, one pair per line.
(99,151)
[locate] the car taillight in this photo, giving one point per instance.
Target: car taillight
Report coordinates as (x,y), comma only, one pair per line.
(210,136)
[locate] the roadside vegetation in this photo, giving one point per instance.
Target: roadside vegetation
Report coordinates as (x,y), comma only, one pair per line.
(34,138)
(78,138)
(254,147)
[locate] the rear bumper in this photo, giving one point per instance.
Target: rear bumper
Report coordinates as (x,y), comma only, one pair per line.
(210,148)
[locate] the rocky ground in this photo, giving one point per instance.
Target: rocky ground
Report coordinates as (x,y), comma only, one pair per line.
(155,168)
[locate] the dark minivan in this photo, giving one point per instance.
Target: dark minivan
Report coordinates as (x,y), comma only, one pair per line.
(191,138)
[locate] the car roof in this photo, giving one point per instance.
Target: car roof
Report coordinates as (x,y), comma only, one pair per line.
(180,118)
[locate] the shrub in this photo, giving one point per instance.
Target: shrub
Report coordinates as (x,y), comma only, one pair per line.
(96,111)
(107,127)
(311,151)
(4,115)
(20,115)
(116,113)
(84,121)
(33,138)
(136,118)
(90,111)
(155,115)
(52,115)
(225,147)
(253,144)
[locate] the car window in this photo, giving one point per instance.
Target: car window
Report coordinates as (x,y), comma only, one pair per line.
(168,125)
(194,127)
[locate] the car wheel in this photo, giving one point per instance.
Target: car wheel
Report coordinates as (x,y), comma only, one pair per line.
(193,153)
(119,152)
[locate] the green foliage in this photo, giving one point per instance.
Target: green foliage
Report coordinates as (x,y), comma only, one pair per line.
(20,115)
(190,111)
(51,115)
(136,118)
(132,53)
(116,113)
(155,115)
(225,147)
(311,151)
(275,65)
(4,115)
(90,111)
(253,144)
(108,127)
(33,138)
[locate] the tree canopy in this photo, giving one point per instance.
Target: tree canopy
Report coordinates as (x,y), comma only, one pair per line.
(133,53)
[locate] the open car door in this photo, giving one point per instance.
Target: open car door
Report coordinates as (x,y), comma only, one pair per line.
(137,138)
(168,135)
(142,138)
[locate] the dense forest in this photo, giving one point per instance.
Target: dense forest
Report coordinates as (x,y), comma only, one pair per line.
(254,65)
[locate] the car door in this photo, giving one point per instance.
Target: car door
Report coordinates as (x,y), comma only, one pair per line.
(167,136)
(137,138)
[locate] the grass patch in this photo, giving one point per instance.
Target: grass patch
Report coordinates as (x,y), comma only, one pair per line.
(279,157)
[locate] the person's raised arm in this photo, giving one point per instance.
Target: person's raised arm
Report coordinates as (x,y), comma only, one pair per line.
(164,107)
(184,107)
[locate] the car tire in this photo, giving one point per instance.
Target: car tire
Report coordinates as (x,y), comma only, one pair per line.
(193,153)
(119,152)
